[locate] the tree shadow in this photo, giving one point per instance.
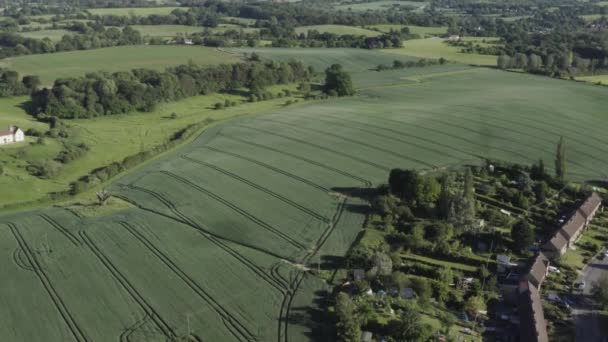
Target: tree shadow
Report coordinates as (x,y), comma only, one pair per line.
(314,317)
(598,183)
(27,106)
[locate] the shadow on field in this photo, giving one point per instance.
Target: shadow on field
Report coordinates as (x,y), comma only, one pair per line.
(598,183)
(314,317)
(363,193)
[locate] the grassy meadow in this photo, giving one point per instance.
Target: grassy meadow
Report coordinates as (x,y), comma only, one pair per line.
(436,47)
(380,5)
(421,30)
(109,139)
(54,35)
(338,29)
(140,11)
(166,31)
(76,63)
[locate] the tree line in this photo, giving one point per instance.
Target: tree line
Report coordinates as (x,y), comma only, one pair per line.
(13,44)
(100,93)
(12,85)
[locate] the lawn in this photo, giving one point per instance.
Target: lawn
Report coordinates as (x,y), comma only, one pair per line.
(438,262)
(54,35)
(338,29)
(139,11)
(436,47)
(76,63)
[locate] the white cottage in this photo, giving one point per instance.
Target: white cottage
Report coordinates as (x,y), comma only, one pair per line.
(12,135)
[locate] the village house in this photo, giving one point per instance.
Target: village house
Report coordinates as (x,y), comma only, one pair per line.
(567,235)
(12,135)
(539,270)
(533,326)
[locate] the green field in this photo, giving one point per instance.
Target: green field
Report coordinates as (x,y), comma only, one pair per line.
(109,139)
(436,47)
(594,79)
(353,60)
(338,29)
(220,234)
(166,31)
(54,35)
(140,11)
(76,63)
(421,30)
(381,5)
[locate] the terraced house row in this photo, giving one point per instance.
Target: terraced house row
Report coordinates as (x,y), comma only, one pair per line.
(565,237)
(533,326)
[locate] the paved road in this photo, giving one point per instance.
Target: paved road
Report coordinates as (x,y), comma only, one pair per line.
(589,326)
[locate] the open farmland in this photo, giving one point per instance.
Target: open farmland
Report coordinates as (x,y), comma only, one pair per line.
(54,35)
(421,30)
(436,47)
(338,29)
(141,11)
(219,235)
(76,63)
(381,5)
(353,60)
(166,31)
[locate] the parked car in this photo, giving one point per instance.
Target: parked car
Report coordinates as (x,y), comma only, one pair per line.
(554,269)
(580,285)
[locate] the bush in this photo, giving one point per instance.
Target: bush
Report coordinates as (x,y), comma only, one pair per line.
(218,106)
(32,132)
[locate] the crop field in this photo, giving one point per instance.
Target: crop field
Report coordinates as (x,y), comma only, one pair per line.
(221,235)
(436,47)
(338,29)
(54,35)
(140,11)
(353,60)
(76,63)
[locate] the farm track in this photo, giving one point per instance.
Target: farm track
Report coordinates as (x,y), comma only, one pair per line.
(295,284)
(261,188)
(126,335)
(214,238)
(19,262)
(366,182)
(160,323)
(384,136)
(352,141)
(270,167)
(237,209)
(234,326)
(69,235)
(186,221)
(67,317)
(319,147)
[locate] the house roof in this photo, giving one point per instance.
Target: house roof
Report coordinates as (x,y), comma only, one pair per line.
(591,204)
(533,327)
(538,269)
(557,242)
(574,224)
(10,131)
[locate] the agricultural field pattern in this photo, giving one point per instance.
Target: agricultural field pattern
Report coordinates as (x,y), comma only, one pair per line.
(221,233)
